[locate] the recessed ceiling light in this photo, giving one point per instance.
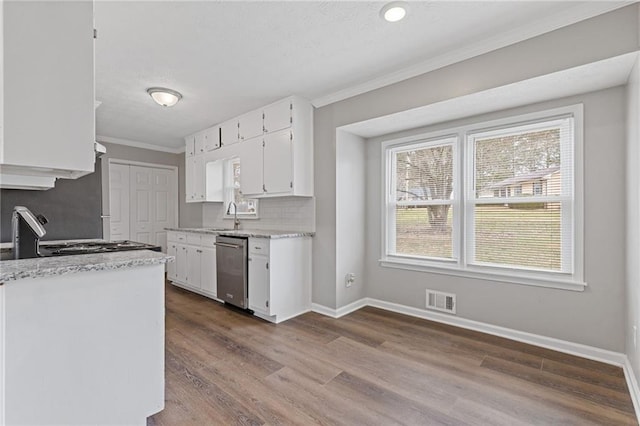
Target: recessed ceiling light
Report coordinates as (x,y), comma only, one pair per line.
(394,11)
(163,96)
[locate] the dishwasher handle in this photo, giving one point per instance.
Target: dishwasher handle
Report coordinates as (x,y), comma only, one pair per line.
(233,246)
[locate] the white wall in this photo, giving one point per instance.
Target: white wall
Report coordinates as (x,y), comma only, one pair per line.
(595,39)
(351,216)
(633,218)
(282,213)
(594,317)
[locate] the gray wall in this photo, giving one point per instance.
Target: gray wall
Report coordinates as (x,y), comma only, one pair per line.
(73,207)
(598,38)
(594,317)
(633,219)
(190,215)
(351,214)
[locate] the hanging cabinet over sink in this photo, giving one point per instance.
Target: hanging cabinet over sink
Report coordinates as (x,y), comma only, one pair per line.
(275,147)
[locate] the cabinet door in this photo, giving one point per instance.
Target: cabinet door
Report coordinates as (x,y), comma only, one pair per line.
(198,143)
(195,179)
(190,179)
(259,284)
(199,178)
(278,116)
(172,250)
(250,125)
(212,139)
(229,132)
(181,263)
(190,146)
(251,166)
(208,277)
(278,164)
(194,259)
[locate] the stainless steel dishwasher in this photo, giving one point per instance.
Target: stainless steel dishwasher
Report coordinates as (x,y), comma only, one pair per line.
(231,263)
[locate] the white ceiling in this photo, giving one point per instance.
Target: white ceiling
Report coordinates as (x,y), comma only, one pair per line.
(227,58)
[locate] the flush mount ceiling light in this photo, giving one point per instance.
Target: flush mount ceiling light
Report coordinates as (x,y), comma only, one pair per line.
(163,96)
(394,11)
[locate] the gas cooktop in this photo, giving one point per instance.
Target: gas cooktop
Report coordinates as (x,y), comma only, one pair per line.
(68,249)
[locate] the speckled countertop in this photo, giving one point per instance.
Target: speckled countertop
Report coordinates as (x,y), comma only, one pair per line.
(254,233)
(11,270)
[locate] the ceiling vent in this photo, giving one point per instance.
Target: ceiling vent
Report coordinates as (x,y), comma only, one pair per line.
(445,302)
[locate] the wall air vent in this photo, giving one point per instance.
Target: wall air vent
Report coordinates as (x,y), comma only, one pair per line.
(445,302)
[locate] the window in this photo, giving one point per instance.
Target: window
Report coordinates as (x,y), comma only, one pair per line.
(509,207)
(422,198)
(246,207)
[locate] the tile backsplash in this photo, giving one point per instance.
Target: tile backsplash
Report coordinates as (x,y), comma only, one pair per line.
(286,213)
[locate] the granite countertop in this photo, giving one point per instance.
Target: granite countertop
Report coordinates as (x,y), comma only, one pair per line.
(255,233)
(11,270)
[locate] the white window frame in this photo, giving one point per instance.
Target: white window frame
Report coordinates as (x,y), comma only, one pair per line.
(390,195)
(228,191)
(570,278)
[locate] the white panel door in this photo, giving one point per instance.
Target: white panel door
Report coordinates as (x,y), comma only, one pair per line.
(278,162)
(118,202)
(164,198)
(142,205)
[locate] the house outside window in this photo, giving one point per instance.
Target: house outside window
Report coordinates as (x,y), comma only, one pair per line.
(443,213)
(246,207)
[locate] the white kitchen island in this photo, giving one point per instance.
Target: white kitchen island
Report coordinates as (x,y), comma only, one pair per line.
(82,339)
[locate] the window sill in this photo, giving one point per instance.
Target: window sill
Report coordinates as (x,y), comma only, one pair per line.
(511,277)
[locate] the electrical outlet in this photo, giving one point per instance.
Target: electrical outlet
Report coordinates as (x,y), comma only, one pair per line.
(349,279)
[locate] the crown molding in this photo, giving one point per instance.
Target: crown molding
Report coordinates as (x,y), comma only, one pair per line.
(142,145)
(568,17)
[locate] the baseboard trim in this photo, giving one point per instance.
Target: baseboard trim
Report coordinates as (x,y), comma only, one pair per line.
(584,351)
(340,312)
(632,384)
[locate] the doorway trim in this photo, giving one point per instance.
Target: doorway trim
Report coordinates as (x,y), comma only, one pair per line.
(106,202)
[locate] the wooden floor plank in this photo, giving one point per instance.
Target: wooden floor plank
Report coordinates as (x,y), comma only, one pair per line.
(370,367)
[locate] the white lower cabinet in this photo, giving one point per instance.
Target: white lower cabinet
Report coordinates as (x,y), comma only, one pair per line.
(279,277)
(279,272)
(195,264)
(259,284)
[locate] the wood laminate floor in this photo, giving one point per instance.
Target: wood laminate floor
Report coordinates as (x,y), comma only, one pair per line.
(371,367)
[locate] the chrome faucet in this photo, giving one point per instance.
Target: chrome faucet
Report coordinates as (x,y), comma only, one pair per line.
(236,221)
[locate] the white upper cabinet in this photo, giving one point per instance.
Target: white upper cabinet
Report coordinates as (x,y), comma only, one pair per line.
(229,132)
(48,123)
(251,166)
(195,179)
(198,143)
(212,138)
(250,125)
(278,162)
(278,116)
(276,153)
(190,146)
